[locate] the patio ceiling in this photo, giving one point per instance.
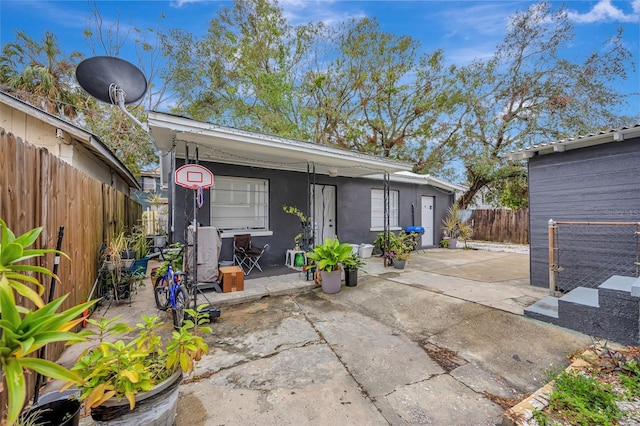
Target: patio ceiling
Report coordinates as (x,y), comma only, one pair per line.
(233,146)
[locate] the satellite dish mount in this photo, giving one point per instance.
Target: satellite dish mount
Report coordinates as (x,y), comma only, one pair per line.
(114,81)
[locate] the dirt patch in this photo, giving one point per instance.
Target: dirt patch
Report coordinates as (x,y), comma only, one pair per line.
(445,358)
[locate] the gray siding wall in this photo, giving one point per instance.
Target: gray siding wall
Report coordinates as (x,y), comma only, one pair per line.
(599,183)
(353,204)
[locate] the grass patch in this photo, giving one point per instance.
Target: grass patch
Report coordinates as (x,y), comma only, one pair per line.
(590,395)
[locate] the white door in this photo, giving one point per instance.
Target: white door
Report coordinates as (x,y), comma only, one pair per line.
(324,213)
(427,221)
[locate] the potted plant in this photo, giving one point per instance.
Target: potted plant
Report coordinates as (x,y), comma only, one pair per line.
(120,376)
(139,243)
(451,226)
(351,267)
(401,247)
(25,330)
(329,259)
(303,239)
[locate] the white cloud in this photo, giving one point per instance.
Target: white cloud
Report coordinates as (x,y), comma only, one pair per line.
(604,11)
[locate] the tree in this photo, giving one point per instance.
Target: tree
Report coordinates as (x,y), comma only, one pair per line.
(526,94)
(246,72)
(379,94)
(41,74)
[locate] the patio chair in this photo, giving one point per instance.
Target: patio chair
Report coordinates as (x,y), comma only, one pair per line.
(245,254)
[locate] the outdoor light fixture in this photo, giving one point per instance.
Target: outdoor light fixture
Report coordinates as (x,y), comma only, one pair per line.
(333,172)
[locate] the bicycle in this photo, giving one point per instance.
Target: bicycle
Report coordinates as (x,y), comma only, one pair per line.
(171,289)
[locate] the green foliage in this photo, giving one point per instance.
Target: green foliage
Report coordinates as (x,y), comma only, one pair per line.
(25,331)
(119,369)
(354,262)
(331,255)
(13,252)
(399,246)
(582,399)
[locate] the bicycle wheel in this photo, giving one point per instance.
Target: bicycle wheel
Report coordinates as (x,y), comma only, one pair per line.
(181,302)
(161,293)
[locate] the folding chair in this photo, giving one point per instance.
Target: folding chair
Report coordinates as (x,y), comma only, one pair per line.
(245,254)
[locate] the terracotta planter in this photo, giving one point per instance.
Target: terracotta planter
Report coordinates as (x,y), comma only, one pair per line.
(331,281)
(156,407)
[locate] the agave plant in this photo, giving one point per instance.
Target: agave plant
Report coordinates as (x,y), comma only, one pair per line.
(24,331)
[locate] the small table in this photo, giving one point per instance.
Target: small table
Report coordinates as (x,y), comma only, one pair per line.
(290,258)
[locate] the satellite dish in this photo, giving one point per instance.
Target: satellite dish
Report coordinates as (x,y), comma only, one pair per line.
(112,80)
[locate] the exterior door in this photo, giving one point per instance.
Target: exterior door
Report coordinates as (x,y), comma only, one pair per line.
(324,211)
(427,221)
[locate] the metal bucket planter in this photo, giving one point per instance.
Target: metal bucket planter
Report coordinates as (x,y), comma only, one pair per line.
(156,407)
(331,281)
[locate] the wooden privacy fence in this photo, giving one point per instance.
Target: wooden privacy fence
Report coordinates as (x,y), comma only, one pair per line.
(39,189)
(501,225)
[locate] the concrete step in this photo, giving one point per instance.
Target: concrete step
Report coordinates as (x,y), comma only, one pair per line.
(580,296)
(545,309)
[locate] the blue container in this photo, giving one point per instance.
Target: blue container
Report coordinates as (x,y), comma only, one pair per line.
(418,229)
(140,266)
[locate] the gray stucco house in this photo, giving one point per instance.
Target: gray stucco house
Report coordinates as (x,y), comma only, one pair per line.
(593,180)
(256,174)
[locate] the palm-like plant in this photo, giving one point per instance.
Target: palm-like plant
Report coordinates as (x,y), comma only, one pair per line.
(23,331)
(41,73)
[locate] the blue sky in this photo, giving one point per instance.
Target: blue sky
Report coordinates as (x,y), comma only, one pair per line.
(463,29)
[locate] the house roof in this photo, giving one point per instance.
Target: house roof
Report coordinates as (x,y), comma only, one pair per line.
(233,146)
(602,137)
(410,177)
(88,140)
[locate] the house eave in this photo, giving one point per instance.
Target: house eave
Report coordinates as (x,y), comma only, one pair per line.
(239,147)
(91,141)
(611,136)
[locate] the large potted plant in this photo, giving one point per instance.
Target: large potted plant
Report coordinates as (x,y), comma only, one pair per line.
(401,247)
(25,328)
(329,259)
(451,226)
(136,381)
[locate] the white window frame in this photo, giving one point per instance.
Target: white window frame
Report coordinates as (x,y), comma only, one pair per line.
(377,210)
(240,205)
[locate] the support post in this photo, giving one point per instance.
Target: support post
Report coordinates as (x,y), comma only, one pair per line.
(552,258)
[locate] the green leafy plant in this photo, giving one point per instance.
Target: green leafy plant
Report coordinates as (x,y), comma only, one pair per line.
(24,331)
(354,262)
(403,244)
(331,255)
(296,212)
(444,243)
(119,369)
(138,242)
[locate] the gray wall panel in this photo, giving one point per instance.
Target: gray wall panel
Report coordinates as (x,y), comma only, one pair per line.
(353,201)
(599,183)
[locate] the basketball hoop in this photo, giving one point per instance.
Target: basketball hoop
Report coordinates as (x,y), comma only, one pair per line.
(193,176)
